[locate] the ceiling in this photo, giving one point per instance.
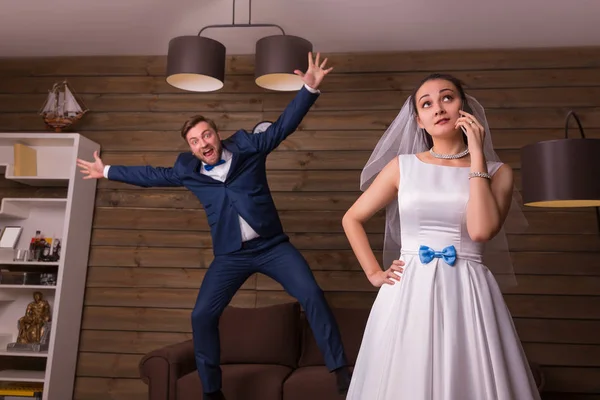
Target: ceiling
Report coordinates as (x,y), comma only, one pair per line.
(144,27)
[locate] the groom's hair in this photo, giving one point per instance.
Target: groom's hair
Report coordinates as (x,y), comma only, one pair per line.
(195,120)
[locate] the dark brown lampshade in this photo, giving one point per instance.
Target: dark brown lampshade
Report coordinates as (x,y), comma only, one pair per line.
(196,63)
(276,59)
(561,173)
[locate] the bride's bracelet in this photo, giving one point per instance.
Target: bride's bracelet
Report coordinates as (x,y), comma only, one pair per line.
(479,175)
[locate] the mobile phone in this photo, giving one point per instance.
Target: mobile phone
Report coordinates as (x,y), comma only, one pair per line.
(466,108)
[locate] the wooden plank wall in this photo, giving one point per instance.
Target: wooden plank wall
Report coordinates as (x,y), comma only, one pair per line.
(150,247)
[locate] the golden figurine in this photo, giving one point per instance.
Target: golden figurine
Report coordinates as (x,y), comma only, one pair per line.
(33,325)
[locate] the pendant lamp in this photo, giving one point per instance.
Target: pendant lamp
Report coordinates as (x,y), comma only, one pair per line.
(197,63)
(276,59)
(563,172)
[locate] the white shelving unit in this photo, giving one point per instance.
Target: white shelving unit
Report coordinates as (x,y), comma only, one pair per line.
(69,219)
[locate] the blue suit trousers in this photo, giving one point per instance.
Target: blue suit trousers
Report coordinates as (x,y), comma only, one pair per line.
(277,258)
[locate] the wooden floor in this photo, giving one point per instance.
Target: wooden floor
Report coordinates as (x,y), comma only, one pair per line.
(151,247)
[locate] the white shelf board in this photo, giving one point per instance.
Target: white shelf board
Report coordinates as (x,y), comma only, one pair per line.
(7,170)
(39,354)
(10,293)
(38,139)
(28,287)
(37,181)
(17,375)
(20,207)
(31,263)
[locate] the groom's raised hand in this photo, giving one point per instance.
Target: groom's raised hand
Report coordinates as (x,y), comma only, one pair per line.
(92,170)
(315,73)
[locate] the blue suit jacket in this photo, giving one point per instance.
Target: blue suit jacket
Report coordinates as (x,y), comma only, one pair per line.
(245,191)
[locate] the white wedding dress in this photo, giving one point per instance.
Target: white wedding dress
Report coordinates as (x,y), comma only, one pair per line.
(443,332)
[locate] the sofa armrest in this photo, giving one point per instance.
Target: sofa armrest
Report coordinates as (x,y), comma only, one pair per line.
(161,368)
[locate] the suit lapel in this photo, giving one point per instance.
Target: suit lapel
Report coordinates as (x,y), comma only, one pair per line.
(235,157)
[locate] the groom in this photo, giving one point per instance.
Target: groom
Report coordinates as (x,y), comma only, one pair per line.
(229,178)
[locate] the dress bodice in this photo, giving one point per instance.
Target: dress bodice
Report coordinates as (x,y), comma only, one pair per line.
(432,202)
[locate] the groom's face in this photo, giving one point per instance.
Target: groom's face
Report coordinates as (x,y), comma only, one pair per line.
(205,143)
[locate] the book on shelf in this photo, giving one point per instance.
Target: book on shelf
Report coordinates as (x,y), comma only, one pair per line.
(21,390)
(25,160)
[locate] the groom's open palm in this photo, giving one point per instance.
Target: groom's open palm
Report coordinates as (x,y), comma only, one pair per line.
(92,170)
(315,73)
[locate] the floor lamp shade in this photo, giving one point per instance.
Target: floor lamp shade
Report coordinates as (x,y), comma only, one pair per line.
(276,59)
(196,63)
(561,173)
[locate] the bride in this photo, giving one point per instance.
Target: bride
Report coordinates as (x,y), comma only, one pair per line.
(439,328)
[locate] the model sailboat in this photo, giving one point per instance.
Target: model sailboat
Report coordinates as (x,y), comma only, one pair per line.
(61,108)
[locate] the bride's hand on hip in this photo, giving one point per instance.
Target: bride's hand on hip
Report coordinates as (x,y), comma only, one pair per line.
(388,276)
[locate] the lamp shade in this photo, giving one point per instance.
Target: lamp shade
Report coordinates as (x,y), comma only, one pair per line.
(561,173)
(276,59)
(196,63)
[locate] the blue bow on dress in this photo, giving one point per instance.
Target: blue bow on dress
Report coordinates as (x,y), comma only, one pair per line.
(426,254)
(209,167)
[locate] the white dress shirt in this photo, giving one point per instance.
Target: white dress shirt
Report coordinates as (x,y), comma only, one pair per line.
(219,173)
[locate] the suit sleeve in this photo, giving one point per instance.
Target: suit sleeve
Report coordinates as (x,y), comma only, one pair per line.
(145,176)
(287,122)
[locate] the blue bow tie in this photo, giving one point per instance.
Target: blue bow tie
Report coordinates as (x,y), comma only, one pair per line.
(426,254)
(209,167)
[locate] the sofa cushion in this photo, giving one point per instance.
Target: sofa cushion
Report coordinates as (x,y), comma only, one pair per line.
(311,383)
(352,324)
(240,382)
(265,335)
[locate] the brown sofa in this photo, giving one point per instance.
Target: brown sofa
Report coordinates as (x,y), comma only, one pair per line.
(268,353)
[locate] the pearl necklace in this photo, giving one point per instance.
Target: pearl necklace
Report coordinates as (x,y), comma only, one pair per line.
(449,156)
